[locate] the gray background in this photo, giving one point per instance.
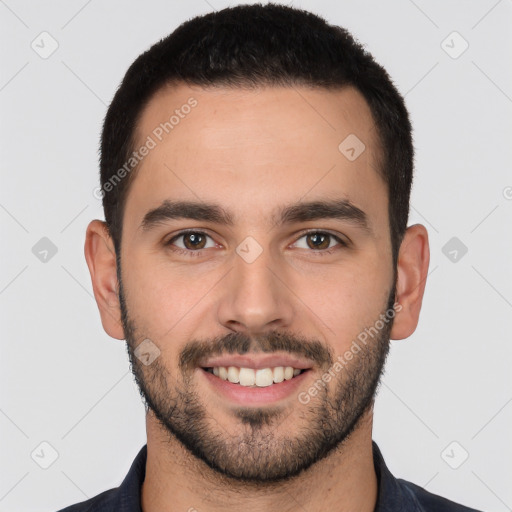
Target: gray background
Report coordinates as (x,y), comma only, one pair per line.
(65,382)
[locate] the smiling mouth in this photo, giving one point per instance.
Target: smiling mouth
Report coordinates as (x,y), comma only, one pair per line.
(250,377)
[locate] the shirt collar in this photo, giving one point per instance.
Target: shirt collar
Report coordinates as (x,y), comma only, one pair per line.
(391,495)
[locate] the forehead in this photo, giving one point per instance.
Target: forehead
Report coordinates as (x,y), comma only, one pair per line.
(254,150)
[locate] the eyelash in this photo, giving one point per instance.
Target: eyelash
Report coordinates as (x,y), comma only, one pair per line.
(192,253)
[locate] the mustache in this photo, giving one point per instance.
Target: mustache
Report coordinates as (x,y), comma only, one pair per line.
(241,343)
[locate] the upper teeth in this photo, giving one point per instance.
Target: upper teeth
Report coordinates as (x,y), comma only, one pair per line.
(250,377)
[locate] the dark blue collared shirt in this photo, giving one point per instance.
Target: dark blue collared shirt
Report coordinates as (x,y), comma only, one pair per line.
(394,495)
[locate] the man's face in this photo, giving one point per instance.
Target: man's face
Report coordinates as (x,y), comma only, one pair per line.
(294,291)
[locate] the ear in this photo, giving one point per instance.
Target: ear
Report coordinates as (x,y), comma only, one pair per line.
(413,261)
(101,260)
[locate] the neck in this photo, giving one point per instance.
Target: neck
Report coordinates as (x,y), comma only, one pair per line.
(345,480)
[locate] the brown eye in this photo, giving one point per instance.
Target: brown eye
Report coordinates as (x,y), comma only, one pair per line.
(318,240)
(194,240)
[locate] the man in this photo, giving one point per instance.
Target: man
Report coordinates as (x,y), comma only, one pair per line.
(256,168)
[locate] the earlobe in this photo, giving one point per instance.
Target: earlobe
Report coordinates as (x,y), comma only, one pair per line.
(101,259)
(412,269)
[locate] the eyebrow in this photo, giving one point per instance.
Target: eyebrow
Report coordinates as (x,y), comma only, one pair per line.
(340,209)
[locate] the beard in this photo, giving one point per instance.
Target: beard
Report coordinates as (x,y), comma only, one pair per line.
(252,449)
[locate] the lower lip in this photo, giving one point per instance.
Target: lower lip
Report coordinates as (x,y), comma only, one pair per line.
(258,395)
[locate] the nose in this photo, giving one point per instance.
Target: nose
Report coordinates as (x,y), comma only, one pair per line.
(256,296)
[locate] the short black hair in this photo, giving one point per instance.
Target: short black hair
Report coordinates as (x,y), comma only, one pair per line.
(254,46)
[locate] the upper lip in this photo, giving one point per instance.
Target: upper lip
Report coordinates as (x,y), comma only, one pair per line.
(256,362)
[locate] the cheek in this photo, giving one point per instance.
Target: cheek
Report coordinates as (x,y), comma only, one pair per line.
(347,300)
(160,297)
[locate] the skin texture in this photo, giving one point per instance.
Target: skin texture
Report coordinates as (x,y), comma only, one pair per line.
(253,152)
